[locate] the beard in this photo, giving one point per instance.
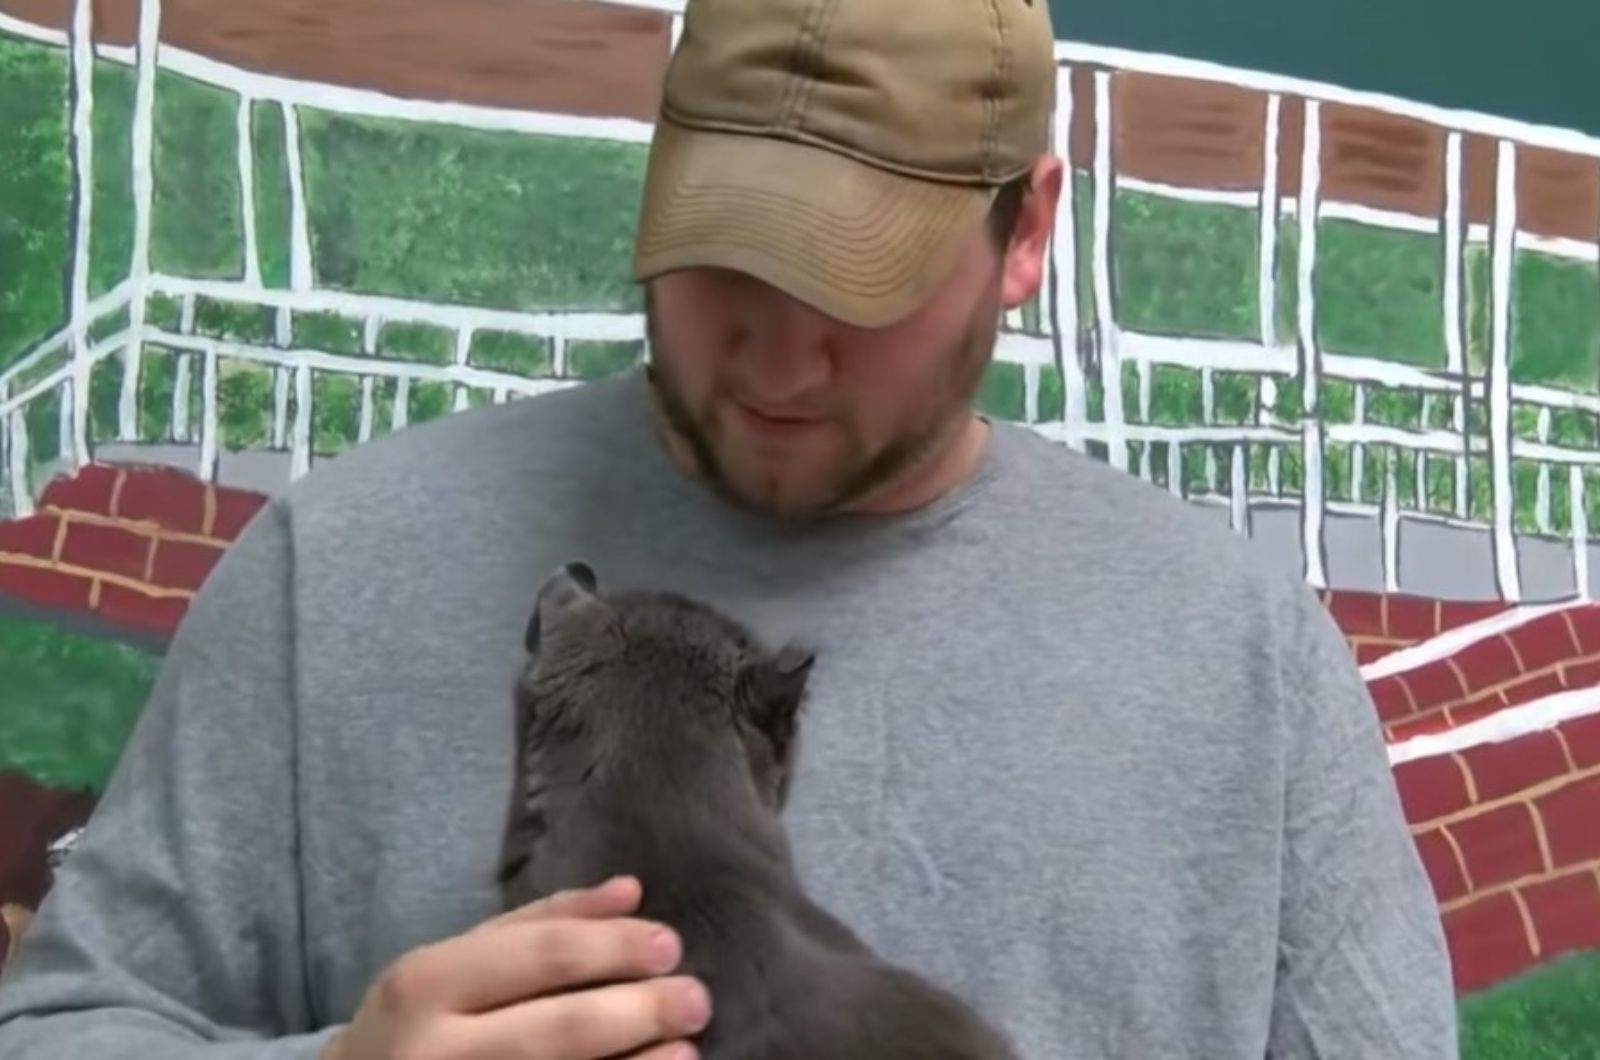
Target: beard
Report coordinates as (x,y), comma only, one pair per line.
(860,466)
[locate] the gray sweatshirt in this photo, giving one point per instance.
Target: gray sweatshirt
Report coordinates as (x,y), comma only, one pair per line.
(1072,750)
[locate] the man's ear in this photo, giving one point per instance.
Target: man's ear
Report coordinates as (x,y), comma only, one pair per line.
(771,690)
(570,590)
(1022,266)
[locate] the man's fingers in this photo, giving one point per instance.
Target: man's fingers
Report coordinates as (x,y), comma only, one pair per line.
(484,970)
(617,896)
(618,1020)
(668,1051)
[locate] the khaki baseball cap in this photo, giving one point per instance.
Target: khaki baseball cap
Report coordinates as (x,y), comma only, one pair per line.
(842,150)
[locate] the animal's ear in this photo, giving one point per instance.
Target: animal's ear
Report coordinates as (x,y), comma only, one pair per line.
(794,662)
(771,690)
(569,590)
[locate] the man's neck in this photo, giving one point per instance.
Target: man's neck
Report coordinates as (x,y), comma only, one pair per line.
(947,466)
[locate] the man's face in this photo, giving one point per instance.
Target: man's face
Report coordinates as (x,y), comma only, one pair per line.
(793,413)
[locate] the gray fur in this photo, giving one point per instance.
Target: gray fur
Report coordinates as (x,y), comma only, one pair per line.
(656,738)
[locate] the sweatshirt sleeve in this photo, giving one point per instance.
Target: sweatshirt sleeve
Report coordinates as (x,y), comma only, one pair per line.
(1363,970)
(173,931)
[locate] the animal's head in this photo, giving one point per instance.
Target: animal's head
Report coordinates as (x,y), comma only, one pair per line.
(655,685)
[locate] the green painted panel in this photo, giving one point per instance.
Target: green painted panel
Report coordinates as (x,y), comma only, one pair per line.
(509,351)
(1547,1014)
(44,427)
(596,360)
(158,381)
(426,343)
(71,702)
(1001,393)
(1052,395)
(272,194)
(34,190)
(326,331)
(1380,293)
(111,215)
(105,397)
(1555,321)
(1184,268)
(335,412)
(245,397)
(233,320)
(196,225)
(521,222)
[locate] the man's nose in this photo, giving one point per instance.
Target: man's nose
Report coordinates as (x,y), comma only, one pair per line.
(792,350)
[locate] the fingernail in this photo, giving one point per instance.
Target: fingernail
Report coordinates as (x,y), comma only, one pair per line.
(664,951)
(694,1006)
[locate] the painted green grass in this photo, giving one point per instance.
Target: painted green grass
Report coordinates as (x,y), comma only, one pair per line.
(428,401)
(44,427)
(1286,282)
(1052,394)
(1475,291)
(1189,269)
(327,331)
(597,360)
(1001,392)
(409,341)
(1555,322)
(158,383)
(1547,1014)
(456,215)
(111,214)
(272,196)
(1379,293)
(335,412)
(1184,268)
(71,701)
(34,189)
(244,403)
(507,351)
(196,225)
(244,321)
(105,398)
(1083,217)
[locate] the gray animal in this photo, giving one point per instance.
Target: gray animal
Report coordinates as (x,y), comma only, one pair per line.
(656,738)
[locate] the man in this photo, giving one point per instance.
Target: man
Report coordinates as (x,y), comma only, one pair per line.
(1072,749)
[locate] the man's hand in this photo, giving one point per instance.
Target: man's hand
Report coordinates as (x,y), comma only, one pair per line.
(522,985)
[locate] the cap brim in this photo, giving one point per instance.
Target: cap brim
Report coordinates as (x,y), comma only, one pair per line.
(859,243)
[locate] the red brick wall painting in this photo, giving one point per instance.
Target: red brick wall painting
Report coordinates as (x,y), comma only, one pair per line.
(1496,752)
(1362,329)
(128,545)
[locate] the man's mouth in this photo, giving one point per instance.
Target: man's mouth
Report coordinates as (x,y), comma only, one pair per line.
(778,424)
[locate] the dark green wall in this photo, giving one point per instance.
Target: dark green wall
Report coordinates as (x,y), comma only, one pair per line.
(1537,60)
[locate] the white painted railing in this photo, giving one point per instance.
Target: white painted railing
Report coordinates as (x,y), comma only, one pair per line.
(1054,345)
(292,366)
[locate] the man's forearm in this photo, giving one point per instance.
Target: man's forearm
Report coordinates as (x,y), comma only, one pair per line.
(132,1034)
(173,931)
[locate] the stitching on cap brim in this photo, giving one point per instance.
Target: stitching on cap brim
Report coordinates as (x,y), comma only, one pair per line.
(863,244)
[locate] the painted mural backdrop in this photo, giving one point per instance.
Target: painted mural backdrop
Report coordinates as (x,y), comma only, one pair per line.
(238,239)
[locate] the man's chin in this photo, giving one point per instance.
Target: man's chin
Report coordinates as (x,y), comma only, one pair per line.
(733,464)
(769,496)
